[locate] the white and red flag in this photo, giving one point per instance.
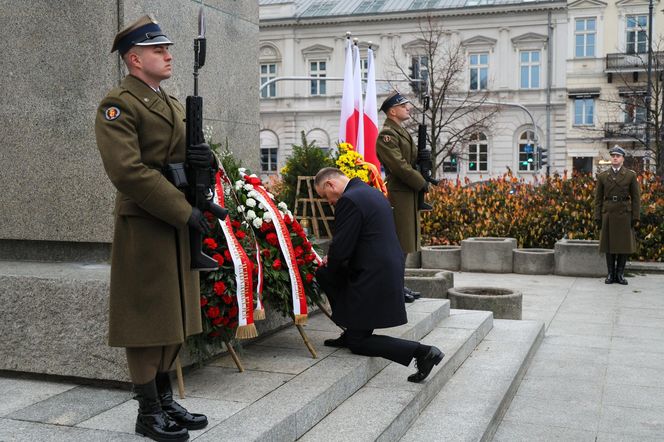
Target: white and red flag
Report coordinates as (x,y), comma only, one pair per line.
(370,126)
(348,121)
(358,109)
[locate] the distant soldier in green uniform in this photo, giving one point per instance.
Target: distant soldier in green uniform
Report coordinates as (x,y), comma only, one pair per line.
(397,153)
(155,297)
(617,213)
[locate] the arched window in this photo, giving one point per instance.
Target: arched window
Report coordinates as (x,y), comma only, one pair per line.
(270,59)
(269,150)
(527,151)
(321,138)
(478,153)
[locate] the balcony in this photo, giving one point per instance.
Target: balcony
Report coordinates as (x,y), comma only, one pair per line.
(626,131)
(622,62)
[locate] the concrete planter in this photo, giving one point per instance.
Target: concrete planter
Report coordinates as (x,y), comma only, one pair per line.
(441,257)
(533,261)
(504,303)
(430,282)
(579,257)
(487,254)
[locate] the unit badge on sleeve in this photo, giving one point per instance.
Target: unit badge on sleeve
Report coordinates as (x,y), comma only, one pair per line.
(112,113)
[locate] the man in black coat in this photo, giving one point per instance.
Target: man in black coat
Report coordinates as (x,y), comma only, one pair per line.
(363,274)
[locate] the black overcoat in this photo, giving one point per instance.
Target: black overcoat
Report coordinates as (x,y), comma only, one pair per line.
(365,261)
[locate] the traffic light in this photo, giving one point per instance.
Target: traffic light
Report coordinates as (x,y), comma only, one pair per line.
(542,157)
(414,69)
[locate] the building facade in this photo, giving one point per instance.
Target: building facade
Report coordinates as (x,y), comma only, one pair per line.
(514,51)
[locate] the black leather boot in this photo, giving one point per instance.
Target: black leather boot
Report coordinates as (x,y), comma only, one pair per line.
(611,278)
(190,421)
(152,421)
(620,269)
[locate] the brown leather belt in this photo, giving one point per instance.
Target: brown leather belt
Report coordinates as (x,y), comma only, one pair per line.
(617,198)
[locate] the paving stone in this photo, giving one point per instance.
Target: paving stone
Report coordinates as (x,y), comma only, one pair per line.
(566,368)
(72,406)
(622,437)
(469,319)
(641,312)
(629,375)
(558,352)
(549,412)
(561,388)
(635,344)
(231,385)
(290,338)
(511,431)
(20,393)
(579,341)
(23,431)
(648,422)
(636,358)
(587,317)
(633,396)
(632,331)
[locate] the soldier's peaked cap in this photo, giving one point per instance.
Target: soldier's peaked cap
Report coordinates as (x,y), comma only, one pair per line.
(617,149)
(393,100)
(143,32)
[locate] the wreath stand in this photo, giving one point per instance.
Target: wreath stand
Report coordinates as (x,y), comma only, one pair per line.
(305,204)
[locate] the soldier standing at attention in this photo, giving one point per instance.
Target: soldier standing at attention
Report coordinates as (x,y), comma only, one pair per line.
(154,299)
(397,153)
(617,213)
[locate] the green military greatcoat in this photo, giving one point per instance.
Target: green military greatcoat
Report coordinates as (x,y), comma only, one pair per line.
(397,152)
(617,203)
(155,297)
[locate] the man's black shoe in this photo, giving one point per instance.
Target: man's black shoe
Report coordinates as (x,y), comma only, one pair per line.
(609,279)
(426,363)
(179,414)
(339,342)
(408,297)
(413,293)
(620,278)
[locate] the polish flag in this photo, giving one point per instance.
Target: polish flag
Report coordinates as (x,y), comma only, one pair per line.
(370,113)
(358,111)
(347,121)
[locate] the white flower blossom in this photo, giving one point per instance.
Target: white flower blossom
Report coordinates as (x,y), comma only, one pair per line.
(270,195)
(248,187)
(251,202)
(267,217)
(250,215)
(240,208)
(282,205)
(290,214)
(252,193)
(239,184)
(253,175)
(258,223)
(242,170)
(261,206)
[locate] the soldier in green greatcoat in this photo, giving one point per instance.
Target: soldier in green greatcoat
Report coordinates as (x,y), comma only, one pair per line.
(617,213)
(155,296)
(397,153)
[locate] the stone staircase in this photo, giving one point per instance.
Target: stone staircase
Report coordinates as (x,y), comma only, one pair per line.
(345,397)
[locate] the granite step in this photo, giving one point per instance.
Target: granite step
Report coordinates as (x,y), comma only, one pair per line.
(283,393)
(384,408)
(471,405)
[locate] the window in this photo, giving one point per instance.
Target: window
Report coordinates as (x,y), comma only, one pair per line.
(268,72)
(635,111)
(318,69)
(450,163)
(318,9)
(584,110)
(478,153)
(269,159)
(584,37)
(479,71)
(369,6)
(527,151)
(423,4)
(530,69)
(637,34)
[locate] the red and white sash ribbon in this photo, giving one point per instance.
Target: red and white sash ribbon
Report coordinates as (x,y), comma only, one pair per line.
(297,287)
(243,271)
(259,311)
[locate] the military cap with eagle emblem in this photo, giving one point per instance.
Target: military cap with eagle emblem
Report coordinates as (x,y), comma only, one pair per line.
(143,32)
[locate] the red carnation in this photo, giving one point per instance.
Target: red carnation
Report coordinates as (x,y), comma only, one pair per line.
(309,277)
(211,243)
(233,324)
(220,259)
(299,261)
(288,220)
(276,265)
(217,321)
(227,299)
(309,257)
(253,180)
(240,234)
(204,301)
(214,334)
(212,312)
(232,312)
(209,216)
(296,226)
(236,224)
(307,245)
(265,253)
(298,251)
(272,238)
(219,288)
(227,255)
(302,235)
(224,320)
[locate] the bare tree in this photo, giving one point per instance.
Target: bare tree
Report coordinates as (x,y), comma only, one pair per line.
(629,113)
(455,114)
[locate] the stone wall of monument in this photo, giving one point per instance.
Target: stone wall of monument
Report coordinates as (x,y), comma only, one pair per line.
(56,200)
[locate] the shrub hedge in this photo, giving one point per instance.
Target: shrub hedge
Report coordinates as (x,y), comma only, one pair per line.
(536,214)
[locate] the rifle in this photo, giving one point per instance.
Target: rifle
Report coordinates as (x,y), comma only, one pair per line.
(424,162)
(201,180)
